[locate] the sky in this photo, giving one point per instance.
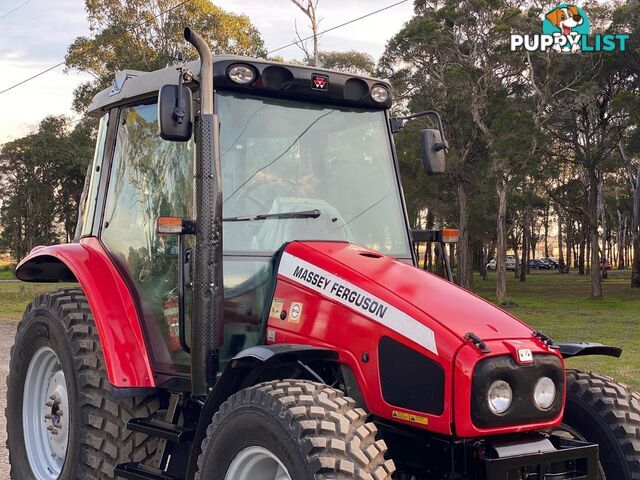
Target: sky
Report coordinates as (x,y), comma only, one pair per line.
(36,35)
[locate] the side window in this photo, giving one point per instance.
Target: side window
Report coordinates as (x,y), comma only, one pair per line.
(96,171)
(150,177)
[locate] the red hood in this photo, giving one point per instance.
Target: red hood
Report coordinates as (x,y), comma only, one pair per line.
(453,307)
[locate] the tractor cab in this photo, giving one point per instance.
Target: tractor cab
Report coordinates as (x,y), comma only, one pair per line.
(305,154)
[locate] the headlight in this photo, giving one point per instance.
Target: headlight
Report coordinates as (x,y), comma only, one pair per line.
(499,397)
(379,93)
(241,74)
(545,393)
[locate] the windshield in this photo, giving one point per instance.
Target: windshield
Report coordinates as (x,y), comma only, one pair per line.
(281,156)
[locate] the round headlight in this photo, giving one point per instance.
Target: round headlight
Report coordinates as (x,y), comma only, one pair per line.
(241,74)
(379,93)
(545,393)
(499,397)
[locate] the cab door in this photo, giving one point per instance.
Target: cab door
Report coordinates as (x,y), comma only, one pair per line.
(151,177)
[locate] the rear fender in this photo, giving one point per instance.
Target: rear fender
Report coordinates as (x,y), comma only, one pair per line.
(249,367)
(114,311)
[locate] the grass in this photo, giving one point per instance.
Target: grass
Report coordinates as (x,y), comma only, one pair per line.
(6,270)
(559,305)
(14,296)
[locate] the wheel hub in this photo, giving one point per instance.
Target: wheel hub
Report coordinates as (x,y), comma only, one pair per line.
(56,418)
(256,463)
(45,415)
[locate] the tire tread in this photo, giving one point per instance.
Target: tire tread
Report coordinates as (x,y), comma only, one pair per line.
(334,435)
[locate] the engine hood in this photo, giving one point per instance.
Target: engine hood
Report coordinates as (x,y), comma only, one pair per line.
(453,308)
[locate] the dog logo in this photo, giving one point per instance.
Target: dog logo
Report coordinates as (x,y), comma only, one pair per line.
(569,21)
(566,29)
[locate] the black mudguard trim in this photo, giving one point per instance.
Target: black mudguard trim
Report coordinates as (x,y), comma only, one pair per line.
(244,370)
(581,349)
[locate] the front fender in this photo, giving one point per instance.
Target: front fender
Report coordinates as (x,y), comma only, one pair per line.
(114,311)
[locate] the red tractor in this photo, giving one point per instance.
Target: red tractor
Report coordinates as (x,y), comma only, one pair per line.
(278,347)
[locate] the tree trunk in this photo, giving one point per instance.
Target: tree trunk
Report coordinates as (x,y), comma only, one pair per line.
(465,259)
(635,236)
(596,278)
(524,264)
(501,245)
(546,232)
(581,249)
(560,249)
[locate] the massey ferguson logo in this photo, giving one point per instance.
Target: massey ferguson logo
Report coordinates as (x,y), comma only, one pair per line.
(319,82)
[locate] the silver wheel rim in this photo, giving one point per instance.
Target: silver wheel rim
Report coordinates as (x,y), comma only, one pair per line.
(256,463)
(45,415)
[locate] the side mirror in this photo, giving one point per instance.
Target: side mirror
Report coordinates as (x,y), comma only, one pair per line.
(433,151)
(174,113)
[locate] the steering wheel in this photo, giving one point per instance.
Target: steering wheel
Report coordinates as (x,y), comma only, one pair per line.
(247,192)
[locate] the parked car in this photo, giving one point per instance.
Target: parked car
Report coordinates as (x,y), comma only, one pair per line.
(553,262)
(511,263)
(539,264)
(605,264)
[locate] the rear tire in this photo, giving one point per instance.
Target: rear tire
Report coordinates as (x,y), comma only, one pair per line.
(60,326)
(607,413)
(300,430)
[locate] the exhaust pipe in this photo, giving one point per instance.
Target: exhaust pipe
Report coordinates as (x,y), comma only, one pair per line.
(207,334)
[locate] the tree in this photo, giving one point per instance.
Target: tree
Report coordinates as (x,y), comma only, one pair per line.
(310,9)
(42,179)
(133,34)
(351,61)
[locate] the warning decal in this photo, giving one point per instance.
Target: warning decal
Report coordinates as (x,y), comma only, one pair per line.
(361,301)
(410,417)
(276,307)
(295,312)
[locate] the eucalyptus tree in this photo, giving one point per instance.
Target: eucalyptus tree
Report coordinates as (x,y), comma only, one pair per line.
(147,35)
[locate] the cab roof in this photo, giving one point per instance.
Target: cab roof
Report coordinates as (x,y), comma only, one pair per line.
(272,79)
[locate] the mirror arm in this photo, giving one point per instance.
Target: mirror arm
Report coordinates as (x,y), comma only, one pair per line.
(397,123)
(179,110)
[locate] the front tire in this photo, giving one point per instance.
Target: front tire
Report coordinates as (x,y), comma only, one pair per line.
(60,402)
(602,411)
(292,430)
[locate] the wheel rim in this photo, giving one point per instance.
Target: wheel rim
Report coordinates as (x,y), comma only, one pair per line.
(256,463)
(45,415)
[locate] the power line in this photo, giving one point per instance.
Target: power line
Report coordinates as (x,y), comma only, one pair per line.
(296,42)
(14,9)
(53,67)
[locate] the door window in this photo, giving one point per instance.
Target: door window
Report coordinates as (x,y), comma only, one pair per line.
(150,177)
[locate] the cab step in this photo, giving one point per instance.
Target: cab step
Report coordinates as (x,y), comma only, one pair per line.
(161,429)
(136,471)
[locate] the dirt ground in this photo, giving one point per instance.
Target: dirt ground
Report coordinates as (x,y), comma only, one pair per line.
(7,331)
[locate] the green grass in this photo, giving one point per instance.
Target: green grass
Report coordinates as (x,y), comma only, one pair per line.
(6,272)
(559,305)
(14,296)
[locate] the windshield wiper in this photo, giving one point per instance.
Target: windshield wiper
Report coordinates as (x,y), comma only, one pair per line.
(266,216)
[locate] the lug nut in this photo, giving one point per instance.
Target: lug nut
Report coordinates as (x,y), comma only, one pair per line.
(49,403)
(47,416)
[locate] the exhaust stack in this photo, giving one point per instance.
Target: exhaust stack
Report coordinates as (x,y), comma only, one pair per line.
(207,334)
